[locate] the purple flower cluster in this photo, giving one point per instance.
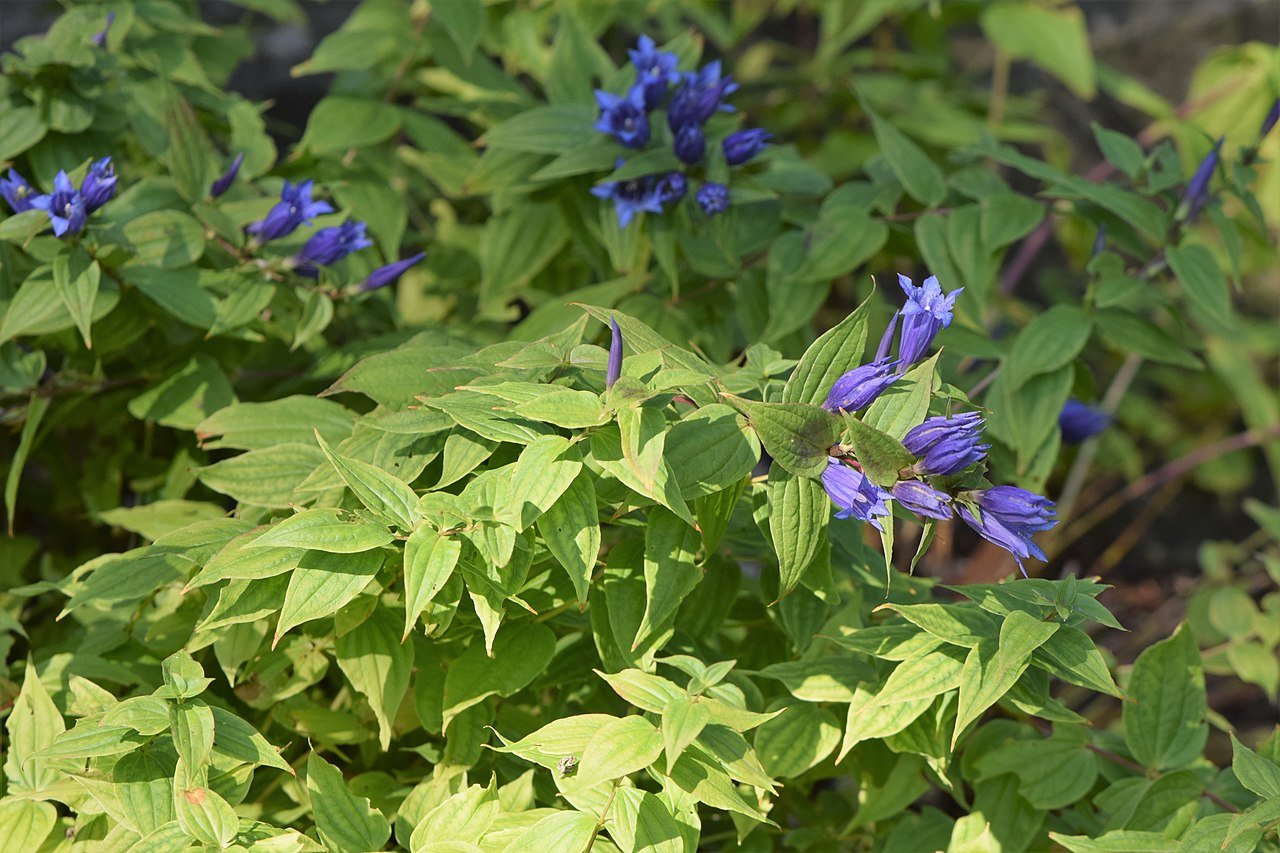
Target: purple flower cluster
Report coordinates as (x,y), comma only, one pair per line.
(947,448)
(68,207)
(690,99)
(294,208)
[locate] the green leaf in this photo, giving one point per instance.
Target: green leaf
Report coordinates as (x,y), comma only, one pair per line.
(670,573)
(619,748)
(324,530)
(235,738)
(1205,285)
(36,409)
(189,148)
(192,726)
(253,426)
(868,720)
(1131,333)
(1121,151)
(203,813)
(185,397)
(1164,725)
(797,740)
(799,512)
(381,493)
(710,449)
(464,21)
(1052,772)
(76,277)
(636,464)
(521,652)
(881,456)
(920,176)
(1053,37)
(340,122)
(1070,655)
(25,824)
(377,662)
(683,719)
(165,238)
(322,584)
(798,436)
(1118,841)
(993,667)
(154,520)
(837,244)
(836,351)
(1255,772)
(924,675)
(264,477)
(1051,341)
(345,822)
(563,830)
(21,129)
(958,624)
(429,561)
(33,724)
(545,470)
(905,403)
(144,780)
(570,528)
(544,130)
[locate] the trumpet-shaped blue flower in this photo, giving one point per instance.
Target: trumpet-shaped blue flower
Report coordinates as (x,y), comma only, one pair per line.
(698,96)
(65,206)
(330,245)
(623,117)
(1079,421)
(927,312)
(922,499)
(1197,191)
(390,273)
(672,187)
(222,184)
(690,143)
(713,198)
(294,208)
(99,185)
(614,368)
(17,192)
(1273,115)
(631,197)
(1009,516)
(655,70)
(859,387)
(947,445)
(854,495)
(741,146)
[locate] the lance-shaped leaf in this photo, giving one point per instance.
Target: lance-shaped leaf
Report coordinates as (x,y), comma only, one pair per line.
(377,663)
(380,492)
(799,512)
(322,584)
(75,278)
(839,349)
(798,436)
(670,573)
(881,456)
(429,561)
(1164,725)
(992,667)
(324,530)
(345,821)
(570,528)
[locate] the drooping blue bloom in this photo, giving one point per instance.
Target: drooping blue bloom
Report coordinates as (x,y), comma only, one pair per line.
(672,187)
(858,388)
(741,146)
(1009,516)
(99,185)
(630,197)
(1273,115)
(655,70)
(17,192)
(330,245)
(855,495)
(1197,191)
(713,198)
(223,183)
(65,206)
(712,89)
(690,143)
(1099,241)
(886,340)
(947,445)
(390,273)
(614,368)
(927,312)
(1079,421)
(100,37)
(294,208)
(923,499)
(623,117)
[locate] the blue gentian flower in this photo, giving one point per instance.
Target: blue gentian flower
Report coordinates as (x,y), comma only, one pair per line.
(927,312)
(294,208)
(1197,191)
(712,89)
(100,37)
(99,185)
(65,206)
(223,183)
(1009,516)
(390,273)
(630,197)
(655,70)
(1099,241)
(1079,421)
(690,143)
(922,499)
(623,117)
(17,192)
(859,387)
(947,445)
(713,198)
(614,368)
(855,495)
(330,245)
(682,112)
(672,187)
(1273,115)
(742,146)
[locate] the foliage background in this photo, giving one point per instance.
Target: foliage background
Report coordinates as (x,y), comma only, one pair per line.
(115,446)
